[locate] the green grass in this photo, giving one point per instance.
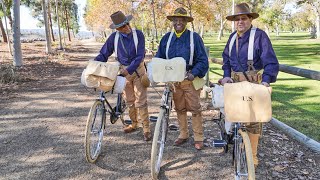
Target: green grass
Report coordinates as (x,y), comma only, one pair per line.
(295,100)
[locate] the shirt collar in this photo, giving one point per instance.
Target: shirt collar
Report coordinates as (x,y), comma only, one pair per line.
(246,34)
(125,35)
(179,34)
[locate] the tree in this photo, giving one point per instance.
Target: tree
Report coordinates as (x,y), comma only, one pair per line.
(315,4)
(271,15)
(58,22)
(45,17)
(17,54)
(3,14)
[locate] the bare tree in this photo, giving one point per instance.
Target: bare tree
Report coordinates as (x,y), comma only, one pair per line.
(17,54)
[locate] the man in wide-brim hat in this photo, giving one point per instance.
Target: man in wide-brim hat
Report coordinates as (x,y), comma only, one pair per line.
(238,65)
(186,97)
(131,58)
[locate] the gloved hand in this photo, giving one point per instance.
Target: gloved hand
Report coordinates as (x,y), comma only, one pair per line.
(265,84)
(189,76)
(226,80)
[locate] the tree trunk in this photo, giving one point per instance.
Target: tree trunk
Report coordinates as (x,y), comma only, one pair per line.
(190,13)
(10,20)
(154,24)
(313,32)
(318,25)
(3,32)
(267,30)
(58,21)
(50,21)
(277,29)
(222,23)
(17,54)
(6,36)
(67,22)
(45,17)
(201,30)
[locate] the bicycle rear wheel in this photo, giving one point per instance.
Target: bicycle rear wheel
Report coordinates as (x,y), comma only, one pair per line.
(159,138)
(243,159)
(94,131)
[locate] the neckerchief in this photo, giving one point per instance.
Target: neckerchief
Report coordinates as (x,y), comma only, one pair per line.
(179,34)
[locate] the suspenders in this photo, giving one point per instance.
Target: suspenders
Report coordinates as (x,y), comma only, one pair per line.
(191,46)
(251,42)
(116,40)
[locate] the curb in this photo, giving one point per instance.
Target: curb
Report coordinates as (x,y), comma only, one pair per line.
(303,139)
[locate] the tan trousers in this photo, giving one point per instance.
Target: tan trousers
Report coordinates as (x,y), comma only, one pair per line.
(136,98)
(186,98)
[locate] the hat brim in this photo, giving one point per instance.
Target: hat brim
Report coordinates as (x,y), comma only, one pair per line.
(189,19)
(113,26)
(233,17)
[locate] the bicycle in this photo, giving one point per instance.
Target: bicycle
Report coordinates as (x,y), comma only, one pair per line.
(160,131)
(96,123)
(235,134)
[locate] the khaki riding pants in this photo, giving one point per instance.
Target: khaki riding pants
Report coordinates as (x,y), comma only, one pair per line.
(136,98)
(187,98)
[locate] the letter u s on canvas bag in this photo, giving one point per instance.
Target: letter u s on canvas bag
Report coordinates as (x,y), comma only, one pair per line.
(247,102)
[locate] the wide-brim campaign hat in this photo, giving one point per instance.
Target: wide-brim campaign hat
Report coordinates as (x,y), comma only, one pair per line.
(242,9)
(180,12)
(119,19)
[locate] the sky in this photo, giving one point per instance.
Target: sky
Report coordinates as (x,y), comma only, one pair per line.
(28,22)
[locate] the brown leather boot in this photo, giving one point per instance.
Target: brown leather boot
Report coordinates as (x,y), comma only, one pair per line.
(133,114)
(147,136)
(254,140)
(183,125)
(198,145)
(144,116)
(197,127)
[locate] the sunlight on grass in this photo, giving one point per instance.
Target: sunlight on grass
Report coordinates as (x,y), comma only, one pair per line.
(296,100)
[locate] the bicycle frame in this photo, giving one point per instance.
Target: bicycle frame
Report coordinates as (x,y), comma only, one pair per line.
(165,98)
(118,108)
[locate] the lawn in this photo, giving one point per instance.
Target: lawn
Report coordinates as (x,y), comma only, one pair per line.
(296,100)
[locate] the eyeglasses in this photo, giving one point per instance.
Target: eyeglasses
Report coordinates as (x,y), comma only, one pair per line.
(241,18)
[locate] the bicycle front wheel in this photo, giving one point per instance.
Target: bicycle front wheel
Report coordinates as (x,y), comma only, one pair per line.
(243,159)
(94,131)
(159,138)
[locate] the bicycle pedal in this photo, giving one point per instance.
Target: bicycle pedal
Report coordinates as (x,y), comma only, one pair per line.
(153,118)
(128,121)
(219,143)
(173,127)
(216,119)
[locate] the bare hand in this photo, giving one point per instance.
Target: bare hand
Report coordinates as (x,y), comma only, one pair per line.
(124,72)
(226,80)
(265,84)
(190,76)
